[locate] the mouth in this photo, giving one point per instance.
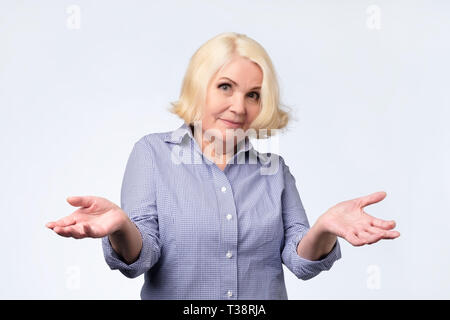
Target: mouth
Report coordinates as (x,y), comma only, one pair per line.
(231,123)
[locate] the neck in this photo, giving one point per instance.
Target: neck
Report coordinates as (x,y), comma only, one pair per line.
(219,150)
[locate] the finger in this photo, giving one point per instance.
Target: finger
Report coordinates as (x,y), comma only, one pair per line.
(90,231)
(371,198)
(63,222)
(61,231)
(375,230)
(383,234)
(75,231)
(353,239)
(50,225)
(391,234)
(383,224)
(365,236)
(81,201)
(372,238)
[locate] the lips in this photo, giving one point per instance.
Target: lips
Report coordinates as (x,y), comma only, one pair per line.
(232,123)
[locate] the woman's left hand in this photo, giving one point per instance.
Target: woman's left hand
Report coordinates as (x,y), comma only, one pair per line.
(348,220)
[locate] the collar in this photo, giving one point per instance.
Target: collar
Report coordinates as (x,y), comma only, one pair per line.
(177,135)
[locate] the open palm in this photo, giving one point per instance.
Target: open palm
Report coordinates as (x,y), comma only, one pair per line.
(97,217)
(348,220)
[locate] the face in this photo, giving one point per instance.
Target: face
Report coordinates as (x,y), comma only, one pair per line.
(233,97)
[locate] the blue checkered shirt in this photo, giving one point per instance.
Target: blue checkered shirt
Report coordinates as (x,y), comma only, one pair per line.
(208,233)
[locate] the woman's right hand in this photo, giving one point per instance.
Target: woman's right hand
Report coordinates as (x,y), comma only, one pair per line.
(97,217)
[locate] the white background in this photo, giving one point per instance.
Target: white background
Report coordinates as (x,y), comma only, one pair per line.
(371,108)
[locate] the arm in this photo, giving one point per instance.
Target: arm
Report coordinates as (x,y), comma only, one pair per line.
(130,236)
(307,251)
(127,241)
(317,243)
(136,247)
(348,220)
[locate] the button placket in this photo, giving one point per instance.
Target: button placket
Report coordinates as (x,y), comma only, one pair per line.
(229,232)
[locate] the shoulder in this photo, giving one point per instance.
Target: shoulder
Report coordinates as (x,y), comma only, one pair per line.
(150,148)
(276,162)
(153,140)
(271,163)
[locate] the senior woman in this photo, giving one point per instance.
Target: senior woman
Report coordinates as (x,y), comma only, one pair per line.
(221,227)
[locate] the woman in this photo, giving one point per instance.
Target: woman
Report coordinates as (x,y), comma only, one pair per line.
(214,228)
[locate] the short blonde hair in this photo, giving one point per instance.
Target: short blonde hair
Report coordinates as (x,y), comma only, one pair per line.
(213,55)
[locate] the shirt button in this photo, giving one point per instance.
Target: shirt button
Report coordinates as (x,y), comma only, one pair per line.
(229,254)
(223,189)
(229,293)
(229,216)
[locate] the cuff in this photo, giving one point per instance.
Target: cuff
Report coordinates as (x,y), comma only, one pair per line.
(310,268)
(134,269)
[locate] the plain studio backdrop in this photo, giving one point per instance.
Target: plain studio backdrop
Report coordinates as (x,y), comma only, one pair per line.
(82,81)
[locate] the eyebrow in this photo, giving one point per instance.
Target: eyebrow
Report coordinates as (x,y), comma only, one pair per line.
(238,85)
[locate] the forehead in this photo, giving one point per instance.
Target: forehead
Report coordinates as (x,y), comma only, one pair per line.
(243,71)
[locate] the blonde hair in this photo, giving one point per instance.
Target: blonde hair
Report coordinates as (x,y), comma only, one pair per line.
(213,55)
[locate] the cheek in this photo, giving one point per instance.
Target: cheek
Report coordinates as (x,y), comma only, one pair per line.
(215,107)
(211,113)
(252,114)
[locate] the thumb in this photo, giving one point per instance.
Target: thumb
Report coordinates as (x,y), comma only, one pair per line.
(80,201)
(372,198)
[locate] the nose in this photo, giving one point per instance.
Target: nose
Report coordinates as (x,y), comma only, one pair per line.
(238,104)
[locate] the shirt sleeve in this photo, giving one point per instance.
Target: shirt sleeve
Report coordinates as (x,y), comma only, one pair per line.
(138,200)
(296,226)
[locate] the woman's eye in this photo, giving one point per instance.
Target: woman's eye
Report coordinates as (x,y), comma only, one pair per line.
(224,85)
(255,95)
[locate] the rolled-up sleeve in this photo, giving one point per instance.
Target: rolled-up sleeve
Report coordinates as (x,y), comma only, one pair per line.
(296,226)
(138,200)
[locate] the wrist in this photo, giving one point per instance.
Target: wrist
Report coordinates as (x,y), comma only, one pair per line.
(318,242)
(122,224)
(323,225)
